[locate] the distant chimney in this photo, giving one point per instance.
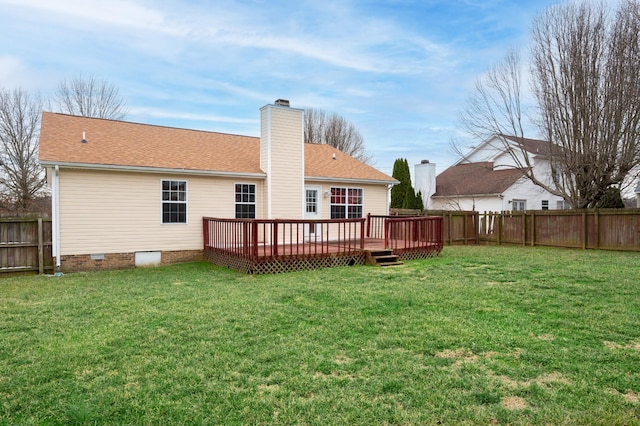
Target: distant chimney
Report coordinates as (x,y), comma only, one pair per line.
(282,102)
(425,181)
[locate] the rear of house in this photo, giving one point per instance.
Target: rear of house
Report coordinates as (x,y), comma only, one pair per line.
(127,194)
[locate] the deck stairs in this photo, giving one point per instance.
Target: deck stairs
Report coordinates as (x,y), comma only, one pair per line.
(384,257)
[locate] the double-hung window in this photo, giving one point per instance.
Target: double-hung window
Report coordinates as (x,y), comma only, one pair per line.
(174,201)
(245,201)
(519,205)
(346,203)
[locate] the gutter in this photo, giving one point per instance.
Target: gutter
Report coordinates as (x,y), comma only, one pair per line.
(468,195)
(143,169)
(351,180)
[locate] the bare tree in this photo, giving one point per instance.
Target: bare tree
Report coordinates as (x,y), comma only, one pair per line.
(334,130)
(90,97)
(584,67)
(21,175)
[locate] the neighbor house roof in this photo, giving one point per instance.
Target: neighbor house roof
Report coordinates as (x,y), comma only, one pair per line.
(533,146)
(125,145)
(475,179)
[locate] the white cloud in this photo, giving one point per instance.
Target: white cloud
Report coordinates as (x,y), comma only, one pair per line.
(119,13)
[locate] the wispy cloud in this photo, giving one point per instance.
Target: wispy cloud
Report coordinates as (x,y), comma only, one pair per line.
(398,70)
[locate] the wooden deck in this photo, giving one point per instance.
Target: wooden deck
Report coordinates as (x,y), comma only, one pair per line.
(257,246)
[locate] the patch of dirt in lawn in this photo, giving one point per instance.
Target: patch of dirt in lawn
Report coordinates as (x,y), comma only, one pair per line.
(629,396)
(340,360)
(455,353)
(611,345)
(268,388)
(514,403)
(635,346)
(547,337)
(460,355)
(545,379)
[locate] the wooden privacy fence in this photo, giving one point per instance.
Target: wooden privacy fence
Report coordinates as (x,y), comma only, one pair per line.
(25,245)
(611,229)
(617,229)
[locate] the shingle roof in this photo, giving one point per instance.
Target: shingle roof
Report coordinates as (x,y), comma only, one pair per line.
(125,144)
(475,179)
(534,146)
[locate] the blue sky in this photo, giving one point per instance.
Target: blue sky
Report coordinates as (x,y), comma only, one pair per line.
(400,71)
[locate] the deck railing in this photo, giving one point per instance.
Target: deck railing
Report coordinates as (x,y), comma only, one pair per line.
(262,238)
(406,233)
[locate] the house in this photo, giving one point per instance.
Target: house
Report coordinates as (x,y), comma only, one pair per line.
(127,194)
(488,179)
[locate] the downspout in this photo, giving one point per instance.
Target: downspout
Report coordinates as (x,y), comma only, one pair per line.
(389,186)
(55,207)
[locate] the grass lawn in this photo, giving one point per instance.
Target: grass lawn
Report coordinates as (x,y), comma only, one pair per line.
(479,335)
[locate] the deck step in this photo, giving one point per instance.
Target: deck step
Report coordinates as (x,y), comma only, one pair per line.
(385,264)
(384,258)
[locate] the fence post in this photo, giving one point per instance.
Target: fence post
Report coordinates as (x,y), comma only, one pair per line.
(464,227)
(584,230)
(476,218)
(597,226)
(533,229)
(368,225)
(450,223)
(524,228)
(499,220)
(40,247)
(275,237)
(386,233)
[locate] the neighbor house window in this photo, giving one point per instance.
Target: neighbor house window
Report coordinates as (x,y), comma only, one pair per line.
(545,204)
(563,205)
(174,201)
(346,203)
(245,201)
(519,205)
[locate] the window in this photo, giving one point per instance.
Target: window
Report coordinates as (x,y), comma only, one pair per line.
(519,205)
(563,205)
(545,204)
(312,200)
(346,203)
(245,201)
(174,201)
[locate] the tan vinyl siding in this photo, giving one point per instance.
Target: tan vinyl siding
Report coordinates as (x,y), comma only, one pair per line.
(374,197)
(284,147)
(117,212)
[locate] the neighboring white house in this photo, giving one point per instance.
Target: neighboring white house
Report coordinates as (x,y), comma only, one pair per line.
(488,179)
(126,194)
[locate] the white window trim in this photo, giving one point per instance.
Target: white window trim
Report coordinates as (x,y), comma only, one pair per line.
(518,201)
(186,202)
(255,194)
(346,204)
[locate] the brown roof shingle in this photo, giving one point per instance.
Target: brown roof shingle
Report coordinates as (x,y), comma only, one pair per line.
(125,144)
(475,179)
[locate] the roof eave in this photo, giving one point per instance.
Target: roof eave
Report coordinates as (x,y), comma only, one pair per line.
(497,194)
(351,180)
(145,169)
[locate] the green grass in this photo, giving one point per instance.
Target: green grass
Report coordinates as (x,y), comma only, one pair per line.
(479,335)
